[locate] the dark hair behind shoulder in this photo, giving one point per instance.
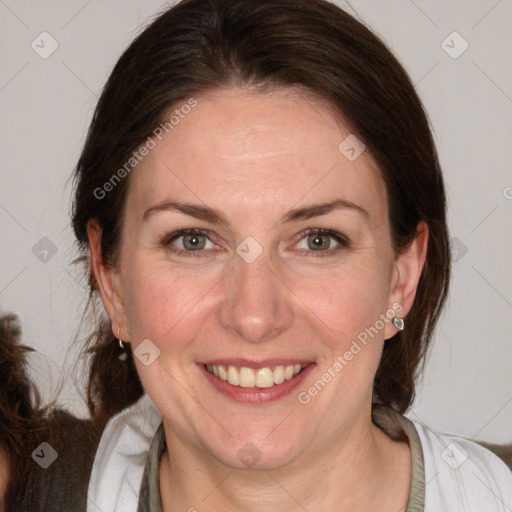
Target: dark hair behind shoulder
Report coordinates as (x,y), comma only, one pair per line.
(19,400)
(25,424)
(20,417)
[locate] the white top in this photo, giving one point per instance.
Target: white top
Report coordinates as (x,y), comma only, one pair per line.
(459,475)
(120,458)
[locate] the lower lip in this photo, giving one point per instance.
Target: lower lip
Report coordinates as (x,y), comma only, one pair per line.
(256,395)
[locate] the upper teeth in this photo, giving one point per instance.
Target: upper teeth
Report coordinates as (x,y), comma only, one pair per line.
(248,377)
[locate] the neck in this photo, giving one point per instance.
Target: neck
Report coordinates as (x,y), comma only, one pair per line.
(361,469)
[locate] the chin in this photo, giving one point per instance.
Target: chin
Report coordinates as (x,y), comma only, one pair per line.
(265,454)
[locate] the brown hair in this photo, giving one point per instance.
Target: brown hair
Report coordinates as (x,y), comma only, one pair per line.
(25,424)
(201,45)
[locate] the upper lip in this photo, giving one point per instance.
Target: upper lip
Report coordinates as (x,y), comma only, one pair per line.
(263,363)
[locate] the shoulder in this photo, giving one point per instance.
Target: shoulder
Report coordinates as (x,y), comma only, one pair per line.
(462,475)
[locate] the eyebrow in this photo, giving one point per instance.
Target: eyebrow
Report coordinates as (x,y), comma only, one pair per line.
(215,217)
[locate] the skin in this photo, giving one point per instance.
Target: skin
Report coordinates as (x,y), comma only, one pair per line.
(254,157)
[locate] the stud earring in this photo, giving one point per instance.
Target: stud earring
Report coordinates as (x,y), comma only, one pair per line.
(399,323)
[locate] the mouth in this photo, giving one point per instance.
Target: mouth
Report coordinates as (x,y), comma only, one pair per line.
(249,382)
(264,377)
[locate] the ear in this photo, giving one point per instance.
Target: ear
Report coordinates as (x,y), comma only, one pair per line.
(109,283)
(406,276)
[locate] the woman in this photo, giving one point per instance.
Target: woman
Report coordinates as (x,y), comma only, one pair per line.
(264,211)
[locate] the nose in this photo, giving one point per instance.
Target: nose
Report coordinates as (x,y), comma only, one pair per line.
(256,306)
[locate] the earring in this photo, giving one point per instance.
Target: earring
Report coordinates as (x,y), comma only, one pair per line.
(399,323)
(120,340)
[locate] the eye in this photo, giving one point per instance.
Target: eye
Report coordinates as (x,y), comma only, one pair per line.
(319,241)
(189,241)
(193,242)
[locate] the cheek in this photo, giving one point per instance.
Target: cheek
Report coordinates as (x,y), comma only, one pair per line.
(161,303)
(348,299)
(348,304)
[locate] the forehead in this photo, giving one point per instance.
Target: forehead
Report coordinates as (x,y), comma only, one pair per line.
(264,150)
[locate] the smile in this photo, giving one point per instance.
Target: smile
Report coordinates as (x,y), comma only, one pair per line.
(265,377)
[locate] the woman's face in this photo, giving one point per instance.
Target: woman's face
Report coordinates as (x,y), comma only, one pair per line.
(249,290)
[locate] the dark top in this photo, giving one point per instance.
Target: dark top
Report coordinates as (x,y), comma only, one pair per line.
(55,478)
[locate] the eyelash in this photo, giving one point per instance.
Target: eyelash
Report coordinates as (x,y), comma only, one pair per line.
(343,241)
